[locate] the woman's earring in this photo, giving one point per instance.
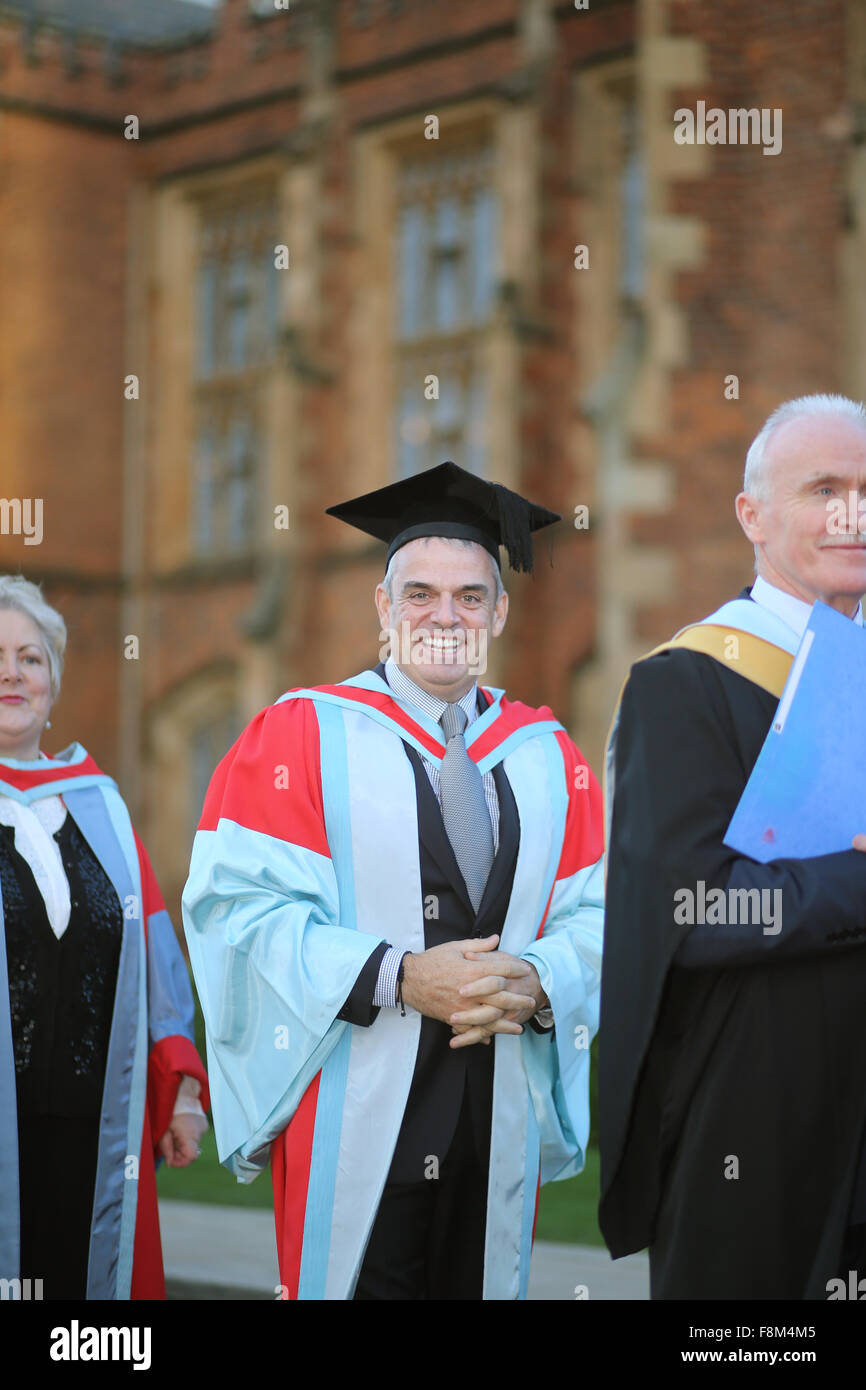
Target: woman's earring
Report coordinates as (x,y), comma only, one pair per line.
(48,723)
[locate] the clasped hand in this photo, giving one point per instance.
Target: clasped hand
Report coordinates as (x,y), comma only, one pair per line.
(179,1145)
(474,987)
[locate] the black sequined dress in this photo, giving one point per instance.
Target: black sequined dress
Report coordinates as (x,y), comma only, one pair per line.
(61,996)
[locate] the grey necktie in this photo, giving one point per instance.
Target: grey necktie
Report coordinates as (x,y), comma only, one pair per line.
(464,807)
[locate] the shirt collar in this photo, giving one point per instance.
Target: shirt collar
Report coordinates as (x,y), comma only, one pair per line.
(409,692)
(792,610)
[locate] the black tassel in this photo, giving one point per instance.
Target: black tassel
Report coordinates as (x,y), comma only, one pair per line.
(514,527)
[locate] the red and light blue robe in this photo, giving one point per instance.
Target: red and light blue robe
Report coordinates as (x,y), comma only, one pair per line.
(150,1043)
(306,858)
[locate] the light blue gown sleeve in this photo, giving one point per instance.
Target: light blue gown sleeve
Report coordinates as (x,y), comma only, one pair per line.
(272,963)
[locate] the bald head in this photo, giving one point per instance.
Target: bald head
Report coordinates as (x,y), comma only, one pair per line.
(804,495)
(803,410)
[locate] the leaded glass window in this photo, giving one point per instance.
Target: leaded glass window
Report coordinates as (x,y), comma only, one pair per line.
(235,345)
(445,254)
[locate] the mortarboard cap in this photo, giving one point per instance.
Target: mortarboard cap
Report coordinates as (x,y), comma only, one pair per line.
(448,501)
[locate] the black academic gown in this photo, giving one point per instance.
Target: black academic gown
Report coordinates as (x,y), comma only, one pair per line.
(722,1049)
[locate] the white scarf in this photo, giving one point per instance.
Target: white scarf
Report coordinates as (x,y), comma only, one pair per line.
(34,828)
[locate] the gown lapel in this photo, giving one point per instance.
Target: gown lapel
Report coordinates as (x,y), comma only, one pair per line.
(502,870)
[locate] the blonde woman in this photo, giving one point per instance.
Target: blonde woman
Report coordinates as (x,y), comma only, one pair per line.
(96,1053)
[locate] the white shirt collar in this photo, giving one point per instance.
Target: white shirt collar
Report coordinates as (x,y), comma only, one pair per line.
(792,610)
(409,692)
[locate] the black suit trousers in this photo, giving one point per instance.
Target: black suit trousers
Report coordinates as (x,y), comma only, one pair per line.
(427,1240)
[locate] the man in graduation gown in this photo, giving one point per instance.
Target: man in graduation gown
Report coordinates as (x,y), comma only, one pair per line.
(367,851)
(732,1061)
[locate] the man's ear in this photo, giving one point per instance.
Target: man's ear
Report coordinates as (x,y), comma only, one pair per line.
(383,607)
(748,510)
(500,614)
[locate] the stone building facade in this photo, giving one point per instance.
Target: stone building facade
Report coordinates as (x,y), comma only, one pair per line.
(255,260)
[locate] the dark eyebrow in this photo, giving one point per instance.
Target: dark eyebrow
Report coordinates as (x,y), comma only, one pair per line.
(461,588)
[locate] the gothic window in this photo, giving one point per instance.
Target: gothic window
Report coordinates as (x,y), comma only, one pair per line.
(445,255)
(235,344)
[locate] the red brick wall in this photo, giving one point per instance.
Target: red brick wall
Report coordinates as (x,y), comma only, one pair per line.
(765,305)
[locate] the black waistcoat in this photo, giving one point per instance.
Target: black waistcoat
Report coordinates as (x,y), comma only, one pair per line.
(443,1074)
(61,992)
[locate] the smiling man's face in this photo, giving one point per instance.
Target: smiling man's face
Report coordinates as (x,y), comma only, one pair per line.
(443,613)
(801,547)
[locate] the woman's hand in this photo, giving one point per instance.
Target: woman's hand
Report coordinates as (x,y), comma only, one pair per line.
(179,1145)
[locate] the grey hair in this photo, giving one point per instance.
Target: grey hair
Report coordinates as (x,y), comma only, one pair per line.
(388,581)
(18,593)
(803,408)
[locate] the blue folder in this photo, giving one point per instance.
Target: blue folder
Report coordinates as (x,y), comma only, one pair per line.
(807,792)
